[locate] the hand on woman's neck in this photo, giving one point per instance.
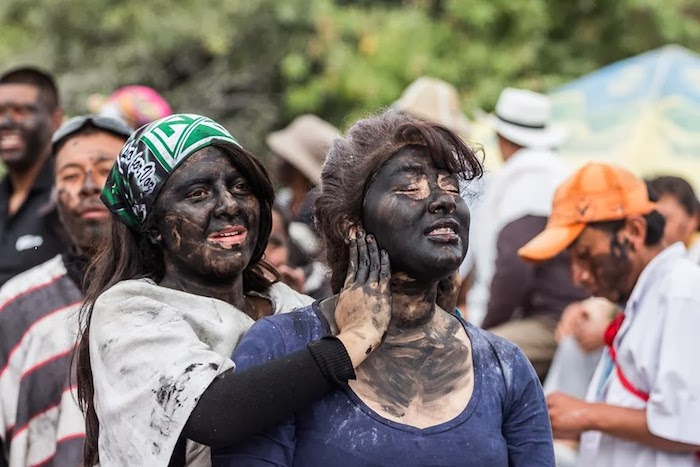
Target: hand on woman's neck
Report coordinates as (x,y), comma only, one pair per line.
(414,311)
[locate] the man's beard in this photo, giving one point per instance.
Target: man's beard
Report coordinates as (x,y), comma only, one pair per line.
(35,139)
(617,270)
(85,236)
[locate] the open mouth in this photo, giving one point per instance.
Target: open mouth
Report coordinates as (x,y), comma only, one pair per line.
(443,232)
(10,141)
(229,237)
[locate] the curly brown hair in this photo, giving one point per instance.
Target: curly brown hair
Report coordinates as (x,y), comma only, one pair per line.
(353,162)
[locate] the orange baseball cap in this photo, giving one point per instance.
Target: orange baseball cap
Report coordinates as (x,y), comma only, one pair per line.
(596,192)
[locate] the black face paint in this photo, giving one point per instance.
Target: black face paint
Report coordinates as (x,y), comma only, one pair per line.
(612,270)
(416,213)
(25,123)
(207,218)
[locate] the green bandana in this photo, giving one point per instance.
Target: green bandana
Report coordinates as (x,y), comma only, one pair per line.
(148,158)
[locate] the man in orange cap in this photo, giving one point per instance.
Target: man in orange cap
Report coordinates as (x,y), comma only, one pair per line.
(642,406)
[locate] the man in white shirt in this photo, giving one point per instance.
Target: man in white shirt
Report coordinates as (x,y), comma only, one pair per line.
(513,299)
(643,405)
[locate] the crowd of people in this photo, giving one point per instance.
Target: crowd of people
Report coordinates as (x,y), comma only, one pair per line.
(372,298)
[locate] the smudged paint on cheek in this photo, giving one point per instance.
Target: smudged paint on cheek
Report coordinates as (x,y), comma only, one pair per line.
(391,219)
(463,216)
(174,224)
(418,188)
(183,237)
(609,272)
(391,210)
(68,200)
(250,214)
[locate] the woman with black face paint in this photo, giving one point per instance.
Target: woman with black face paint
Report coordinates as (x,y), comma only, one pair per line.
(438,391)
(179,281)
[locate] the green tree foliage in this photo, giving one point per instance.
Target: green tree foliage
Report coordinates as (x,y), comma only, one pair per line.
(364,53)
(256,64)
(214,57)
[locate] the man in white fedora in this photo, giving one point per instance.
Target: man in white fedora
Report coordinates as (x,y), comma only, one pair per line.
(519,301)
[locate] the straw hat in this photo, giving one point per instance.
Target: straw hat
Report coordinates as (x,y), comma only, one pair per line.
(304,144)
(434,100)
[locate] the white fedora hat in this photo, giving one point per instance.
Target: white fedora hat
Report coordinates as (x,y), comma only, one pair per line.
(436,101)
(523,117)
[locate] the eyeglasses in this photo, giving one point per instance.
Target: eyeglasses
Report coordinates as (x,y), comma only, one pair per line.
(75,124)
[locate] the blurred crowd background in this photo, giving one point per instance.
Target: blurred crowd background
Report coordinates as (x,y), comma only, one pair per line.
(622,77)
(255,65)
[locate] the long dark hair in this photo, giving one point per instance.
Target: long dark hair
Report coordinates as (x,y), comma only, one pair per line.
(130,254)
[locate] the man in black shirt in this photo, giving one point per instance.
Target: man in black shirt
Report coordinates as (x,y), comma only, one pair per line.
(29,114)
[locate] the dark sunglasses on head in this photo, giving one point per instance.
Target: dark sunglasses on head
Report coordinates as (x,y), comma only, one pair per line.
(75,124)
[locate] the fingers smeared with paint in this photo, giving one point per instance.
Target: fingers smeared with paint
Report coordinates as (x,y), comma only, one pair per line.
(364,304)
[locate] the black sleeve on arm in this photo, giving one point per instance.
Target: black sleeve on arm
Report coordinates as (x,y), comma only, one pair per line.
(238,405)
(3,460)
(513,277)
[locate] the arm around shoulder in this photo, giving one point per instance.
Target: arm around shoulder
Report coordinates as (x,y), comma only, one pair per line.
(275,446)
(238,405)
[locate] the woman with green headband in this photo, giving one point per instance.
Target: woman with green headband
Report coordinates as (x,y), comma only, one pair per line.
(179,280)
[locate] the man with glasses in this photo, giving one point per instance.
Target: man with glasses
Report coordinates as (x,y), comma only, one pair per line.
(40,422)
(29,114)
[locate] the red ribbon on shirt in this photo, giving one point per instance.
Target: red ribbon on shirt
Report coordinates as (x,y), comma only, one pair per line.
(609,338)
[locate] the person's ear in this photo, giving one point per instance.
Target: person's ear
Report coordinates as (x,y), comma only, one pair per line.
(349,228)
(635,232)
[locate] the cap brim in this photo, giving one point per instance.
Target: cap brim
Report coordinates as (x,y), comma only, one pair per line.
(551,242)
